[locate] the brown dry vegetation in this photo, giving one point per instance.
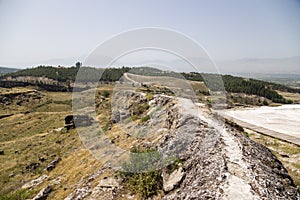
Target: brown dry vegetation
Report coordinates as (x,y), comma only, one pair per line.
(28,135)
(292,96)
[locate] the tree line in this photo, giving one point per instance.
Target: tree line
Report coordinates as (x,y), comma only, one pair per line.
(214,82)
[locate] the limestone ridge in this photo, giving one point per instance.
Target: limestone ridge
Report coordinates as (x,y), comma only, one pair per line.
(221,163)
(216,160)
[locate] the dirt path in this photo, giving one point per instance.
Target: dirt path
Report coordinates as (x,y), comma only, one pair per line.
(236,186)
(129,79)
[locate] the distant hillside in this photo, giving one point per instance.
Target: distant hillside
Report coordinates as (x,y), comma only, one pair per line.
(5,70)
(291,80)
(64,74)
(231,83)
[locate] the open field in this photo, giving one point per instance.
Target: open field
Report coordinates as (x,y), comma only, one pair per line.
(292,96)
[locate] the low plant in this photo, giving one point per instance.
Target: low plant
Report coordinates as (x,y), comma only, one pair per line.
(18,195)
(140,174)
(145,118)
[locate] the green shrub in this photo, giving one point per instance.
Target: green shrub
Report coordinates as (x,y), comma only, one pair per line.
(149,96)
(105,94)
(140,174)
(289,101)
(145,118)
(139,109)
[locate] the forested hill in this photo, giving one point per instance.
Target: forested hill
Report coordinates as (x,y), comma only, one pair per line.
(64,74)
(231,83)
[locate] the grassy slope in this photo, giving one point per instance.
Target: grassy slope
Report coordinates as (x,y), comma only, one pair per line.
(31,135)
(27,137)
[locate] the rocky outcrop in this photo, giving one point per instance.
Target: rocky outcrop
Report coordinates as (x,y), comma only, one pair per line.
(170,181)
(53,164)
(32,166)
(20,98)
(216,161)
(35,182)
(221,163)
(84,189)
(106,189)
(43,194)
(72,121)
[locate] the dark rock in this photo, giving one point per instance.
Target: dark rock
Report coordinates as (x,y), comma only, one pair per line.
(53,164)
(115,117)
(1,152)
(71,121)
(42,159)
(43,194)
(32,166)
(284,155)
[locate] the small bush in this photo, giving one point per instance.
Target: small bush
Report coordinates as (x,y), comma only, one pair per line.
(245,134)
(146,118)
(139,109)
(149,96)
(140,174)
(105,94)
(289,101)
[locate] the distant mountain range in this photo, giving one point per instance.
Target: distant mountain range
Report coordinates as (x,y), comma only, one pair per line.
(6,70)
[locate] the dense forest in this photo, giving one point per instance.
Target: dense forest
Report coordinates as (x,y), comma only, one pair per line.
(63,74)
(213,81)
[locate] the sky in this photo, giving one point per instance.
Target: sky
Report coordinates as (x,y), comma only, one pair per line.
(34,32)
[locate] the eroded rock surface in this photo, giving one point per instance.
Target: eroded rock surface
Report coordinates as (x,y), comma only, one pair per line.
(217,161)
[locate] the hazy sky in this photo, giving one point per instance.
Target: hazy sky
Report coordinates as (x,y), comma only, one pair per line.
(63,31)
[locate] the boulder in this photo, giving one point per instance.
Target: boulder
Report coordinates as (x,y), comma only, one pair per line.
(32,166)
(53,164)
(115,117)
(170,181)
(108,183)
(43,194)
(106,189)
(35,182)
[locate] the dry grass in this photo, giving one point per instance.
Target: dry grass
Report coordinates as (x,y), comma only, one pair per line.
(25,125)
(21,152)
(196,85)
(292,96)
(73,168)
(15,90)
(25,138)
